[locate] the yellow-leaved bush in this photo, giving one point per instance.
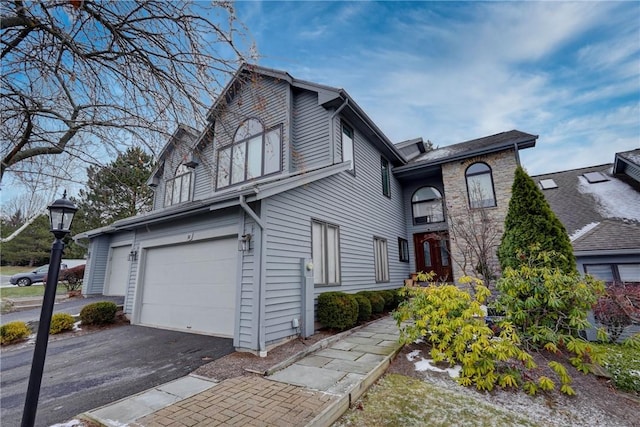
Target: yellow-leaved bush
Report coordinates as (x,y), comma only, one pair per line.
(452,321)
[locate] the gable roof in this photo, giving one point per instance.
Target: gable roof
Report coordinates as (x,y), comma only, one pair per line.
(411,148)
(599,216)
(474,147)
(328,97)
(182,134)
(628,163)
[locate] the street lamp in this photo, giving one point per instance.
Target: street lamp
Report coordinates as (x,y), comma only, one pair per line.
(60,215)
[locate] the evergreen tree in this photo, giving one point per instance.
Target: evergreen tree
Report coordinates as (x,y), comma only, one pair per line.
(115,191)
(530,221)
(31,247)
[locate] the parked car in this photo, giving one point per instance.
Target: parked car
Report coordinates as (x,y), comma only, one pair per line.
(35,276)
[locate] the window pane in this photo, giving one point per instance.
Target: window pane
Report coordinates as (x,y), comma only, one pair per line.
(247,129)
(224,167)
(444,253)
(177,190)
(629,272)
(601,272)
(427,253)
(168,193)
(186,187)
(254,157)
(347,146)
(426,193)
(480,191)
(237,168)
(426,212)
(272,151)
(386,184)
(333,272)
(381,260)
(317,254)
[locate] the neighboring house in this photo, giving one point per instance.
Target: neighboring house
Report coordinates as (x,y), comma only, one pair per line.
(600,208)
(289,192)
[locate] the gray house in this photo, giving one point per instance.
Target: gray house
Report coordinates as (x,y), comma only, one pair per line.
(600,208)
(291,190)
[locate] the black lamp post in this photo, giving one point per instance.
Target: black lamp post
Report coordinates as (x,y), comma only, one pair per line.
(61,215)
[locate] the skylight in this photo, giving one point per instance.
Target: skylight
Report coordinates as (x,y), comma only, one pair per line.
(547,184)
(594,177)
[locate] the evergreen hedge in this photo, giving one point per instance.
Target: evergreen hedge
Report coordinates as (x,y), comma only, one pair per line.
(337,310)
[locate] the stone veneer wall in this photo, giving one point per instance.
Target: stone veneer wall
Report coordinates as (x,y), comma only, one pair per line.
(503,166)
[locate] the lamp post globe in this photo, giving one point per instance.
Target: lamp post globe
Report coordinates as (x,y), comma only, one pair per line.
(61,214)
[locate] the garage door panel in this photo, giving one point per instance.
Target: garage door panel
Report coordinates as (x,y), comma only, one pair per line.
(118,276)
(191,287)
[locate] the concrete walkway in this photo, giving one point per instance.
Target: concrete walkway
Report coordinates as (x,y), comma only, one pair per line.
(312,391)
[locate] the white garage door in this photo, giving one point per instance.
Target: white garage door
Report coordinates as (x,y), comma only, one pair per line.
(191,287)
(118,275)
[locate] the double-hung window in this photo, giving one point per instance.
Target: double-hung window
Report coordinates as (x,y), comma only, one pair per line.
(255,152)
(611,273)
(347,147)
(480,186)
(178,188)
(325,242)
(381,259)
(386,177)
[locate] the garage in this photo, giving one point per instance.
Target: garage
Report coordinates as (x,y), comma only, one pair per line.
(118,274)
(190,287)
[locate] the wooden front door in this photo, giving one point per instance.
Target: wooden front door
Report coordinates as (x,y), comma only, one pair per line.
(432,254)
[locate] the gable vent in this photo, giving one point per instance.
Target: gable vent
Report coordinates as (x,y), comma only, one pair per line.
(547,184)
(594,177)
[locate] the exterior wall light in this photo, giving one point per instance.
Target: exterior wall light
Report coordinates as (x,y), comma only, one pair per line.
(244,243)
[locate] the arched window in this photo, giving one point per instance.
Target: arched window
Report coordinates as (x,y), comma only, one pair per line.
(178,188)
(480,186)
(255,152)
(427,206)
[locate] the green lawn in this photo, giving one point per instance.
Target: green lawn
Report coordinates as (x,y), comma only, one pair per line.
(27,291)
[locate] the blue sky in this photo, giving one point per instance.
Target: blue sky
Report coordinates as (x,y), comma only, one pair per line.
(453,71)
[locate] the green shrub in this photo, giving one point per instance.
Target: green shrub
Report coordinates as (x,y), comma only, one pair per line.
(337,310)
(98,313)
(623,363)
(452,322)
(13,331)
(389,300)
(549,310)
(61,322)
(364,308)
(376,300)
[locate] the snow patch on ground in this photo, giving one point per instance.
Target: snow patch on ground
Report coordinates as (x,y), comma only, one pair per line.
(615,198)
(584,230)
(76,326)
(72,423)
(427,365)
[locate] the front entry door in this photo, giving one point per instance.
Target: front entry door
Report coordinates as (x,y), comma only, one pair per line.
(432,254)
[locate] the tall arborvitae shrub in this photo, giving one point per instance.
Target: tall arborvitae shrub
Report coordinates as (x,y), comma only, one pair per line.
(530,221)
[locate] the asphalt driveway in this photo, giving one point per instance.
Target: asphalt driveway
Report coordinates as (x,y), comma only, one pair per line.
(88,371)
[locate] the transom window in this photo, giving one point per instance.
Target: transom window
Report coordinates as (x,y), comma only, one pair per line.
(347,146)
(325,251)
(381,259)
(480,186)
(427,206)
(254,153)
(178,189)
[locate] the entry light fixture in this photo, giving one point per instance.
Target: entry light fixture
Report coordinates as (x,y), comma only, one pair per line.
(133,255)
(244,243)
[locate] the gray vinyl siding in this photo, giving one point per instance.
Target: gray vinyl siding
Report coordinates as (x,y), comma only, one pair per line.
(95,270)
(248,322)
(407,191)
(310,145)
(204,178)
(265,99)
(358,207)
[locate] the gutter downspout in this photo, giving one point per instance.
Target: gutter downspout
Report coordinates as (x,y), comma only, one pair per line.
(261,296)
(515,147)
(332,130)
